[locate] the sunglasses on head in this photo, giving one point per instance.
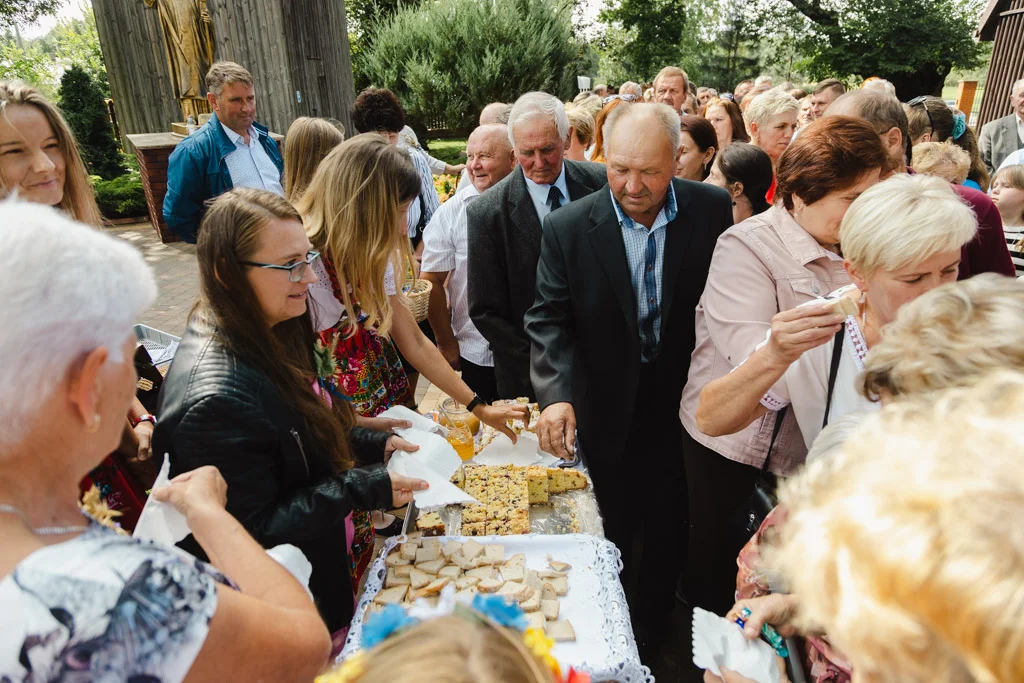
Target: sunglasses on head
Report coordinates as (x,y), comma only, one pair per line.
(625,98)
(922,101)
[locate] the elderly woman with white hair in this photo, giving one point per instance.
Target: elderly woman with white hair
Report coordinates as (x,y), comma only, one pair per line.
(77,600)
(902,536)
(771,121)
(900,238)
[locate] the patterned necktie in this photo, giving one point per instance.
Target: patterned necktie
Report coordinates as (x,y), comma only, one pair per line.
(554,198)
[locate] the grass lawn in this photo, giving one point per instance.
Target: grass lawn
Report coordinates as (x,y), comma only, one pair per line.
(449,151)
(949,94)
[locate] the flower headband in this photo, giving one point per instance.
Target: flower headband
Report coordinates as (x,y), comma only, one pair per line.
(490,609)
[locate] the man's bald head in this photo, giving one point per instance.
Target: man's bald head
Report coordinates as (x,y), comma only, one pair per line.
(885,114)
(490,156)
(493,112)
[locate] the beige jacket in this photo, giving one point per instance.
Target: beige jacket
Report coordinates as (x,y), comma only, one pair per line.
(764,265)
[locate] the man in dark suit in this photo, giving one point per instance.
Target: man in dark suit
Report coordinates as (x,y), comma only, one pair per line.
(1003,137)
(504,229)
(612,330)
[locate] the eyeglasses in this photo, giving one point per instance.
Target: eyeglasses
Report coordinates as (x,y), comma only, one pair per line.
(296,271)
(923,101)
(628,97)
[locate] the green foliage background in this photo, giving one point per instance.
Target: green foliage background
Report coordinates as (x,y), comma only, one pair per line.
(81,102)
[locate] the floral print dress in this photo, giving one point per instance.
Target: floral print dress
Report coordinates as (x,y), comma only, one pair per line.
(366,371)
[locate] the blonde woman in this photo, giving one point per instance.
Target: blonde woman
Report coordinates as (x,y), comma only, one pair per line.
(902,547)
(942,159)
(1008,195)
(354,210)
(39,159)
(308,141)
(771,120)
(900,238)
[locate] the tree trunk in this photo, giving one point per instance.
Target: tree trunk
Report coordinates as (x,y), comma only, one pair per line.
(928,81)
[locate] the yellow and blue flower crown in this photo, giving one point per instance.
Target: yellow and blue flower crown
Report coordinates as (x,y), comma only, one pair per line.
(490,609)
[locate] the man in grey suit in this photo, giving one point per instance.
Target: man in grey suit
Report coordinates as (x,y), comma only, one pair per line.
(1003,137)
(504,232)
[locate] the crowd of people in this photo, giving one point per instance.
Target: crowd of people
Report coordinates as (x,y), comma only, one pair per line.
(712,296)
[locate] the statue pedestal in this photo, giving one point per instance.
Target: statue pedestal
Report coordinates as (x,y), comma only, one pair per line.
(152,151)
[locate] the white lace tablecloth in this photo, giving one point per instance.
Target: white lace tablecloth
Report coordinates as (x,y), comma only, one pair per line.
(605,646)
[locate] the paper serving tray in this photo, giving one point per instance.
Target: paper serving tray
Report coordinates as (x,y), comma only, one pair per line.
(605,646)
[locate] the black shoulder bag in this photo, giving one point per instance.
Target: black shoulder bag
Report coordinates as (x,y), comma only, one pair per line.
(837,353)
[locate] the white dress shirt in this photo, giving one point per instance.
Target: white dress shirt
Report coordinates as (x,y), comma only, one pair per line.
(539,194)
(250,165)
(1020,129)
(428,194)
(445,250)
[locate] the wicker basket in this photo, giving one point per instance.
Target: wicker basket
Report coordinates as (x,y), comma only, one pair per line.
(418,296)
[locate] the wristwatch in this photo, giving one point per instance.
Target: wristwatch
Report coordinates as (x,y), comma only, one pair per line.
(477,401)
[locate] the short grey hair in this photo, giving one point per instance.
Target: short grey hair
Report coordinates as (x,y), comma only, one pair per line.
(631,88)
(768,104)
(1019,83)
(538,105)
(67,289)
(222,73)
(666,115)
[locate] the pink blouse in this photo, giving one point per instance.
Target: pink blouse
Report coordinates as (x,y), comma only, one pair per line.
(766,264)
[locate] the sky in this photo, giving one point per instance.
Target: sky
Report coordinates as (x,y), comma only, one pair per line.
(70,10)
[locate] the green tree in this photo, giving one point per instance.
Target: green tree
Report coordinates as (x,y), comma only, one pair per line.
(15,12)
(646,34)
(29,64)
(81,102)
(76,41)
(446,60)
(913,43)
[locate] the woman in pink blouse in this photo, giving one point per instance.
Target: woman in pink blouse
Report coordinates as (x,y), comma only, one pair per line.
(771,262)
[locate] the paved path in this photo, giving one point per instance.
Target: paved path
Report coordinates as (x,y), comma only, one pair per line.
(176,272)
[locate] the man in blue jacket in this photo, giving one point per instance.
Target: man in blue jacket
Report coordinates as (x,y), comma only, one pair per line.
(231,150)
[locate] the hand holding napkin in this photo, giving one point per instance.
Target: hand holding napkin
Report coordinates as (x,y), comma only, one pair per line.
(720,644)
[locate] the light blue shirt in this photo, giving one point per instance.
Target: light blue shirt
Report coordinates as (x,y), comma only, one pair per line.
(539,194)
(250,165)
(428,194)
(645,256)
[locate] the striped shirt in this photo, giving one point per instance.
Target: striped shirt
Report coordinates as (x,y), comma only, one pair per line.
(1014,235)
(445,250)
(645,255)
(428,194)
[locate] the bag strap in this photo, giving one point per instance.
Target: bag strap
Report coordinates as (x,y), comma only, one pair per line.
(780,415)
(837,353)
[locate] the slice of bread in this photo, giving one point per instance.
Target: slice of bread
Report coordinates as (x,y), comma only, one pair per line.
(515,591)
(532,603)
(392,579)
(451,548)
(535,620)
(562,567)
(490,586)
(450,572)
(419,579)
(465,582)
(426,555)
(471,550)
(550,609)
(391,596)
(432,567)
(495,554)
(403,570)
(560,585)
(482,572)
(408,550)
(396,560)
(560,631)
(512,573)
(432,588)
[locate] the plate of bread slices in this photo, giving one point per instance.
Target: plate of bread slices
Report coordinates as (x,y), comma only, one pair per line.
(566,585)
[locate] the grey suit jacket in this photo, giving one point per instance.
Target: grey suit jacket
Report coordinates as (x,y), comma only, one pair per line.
(503,234)
(999,139)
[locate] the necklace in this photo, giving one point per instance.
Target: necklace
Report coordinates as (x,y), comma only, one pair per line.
(43,530)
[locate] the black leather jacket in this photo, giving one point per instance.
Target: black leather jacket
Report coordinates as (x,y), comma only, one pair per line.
(215,409)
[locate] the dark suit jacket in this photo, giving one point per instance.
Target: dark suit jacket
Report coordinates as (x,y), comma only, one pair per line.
(999,140)
(504,233)
(583,326)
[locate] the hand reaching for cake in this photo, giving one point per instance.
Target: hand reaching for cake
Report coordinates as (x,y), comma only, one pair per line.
(499,417)
(556,430)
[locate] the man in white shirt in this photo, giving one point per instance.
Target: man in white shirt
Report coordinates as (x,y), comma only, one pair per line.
(231,150)
(1002,137)
(489,159)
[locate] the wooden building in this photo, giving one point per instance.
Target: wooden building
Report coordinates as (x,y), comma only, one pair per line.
(1002,23)
(297,51)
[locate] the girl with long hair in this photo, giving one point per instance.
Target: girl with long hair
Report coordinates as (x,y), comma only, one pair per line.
(242,395)
(39,157)
(355,211)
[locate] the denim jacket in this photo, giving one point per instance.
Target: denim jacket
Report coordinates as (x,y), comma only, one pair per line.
(197,172)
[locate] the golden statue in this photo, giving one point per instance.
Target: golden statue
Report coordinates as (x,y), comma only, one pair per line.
(188,43)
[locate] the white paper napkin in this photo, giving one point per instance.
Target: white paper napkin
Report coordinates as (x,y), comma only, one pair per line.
(719,643)
(436,461)
(419,422)
(501,451)
(161,522)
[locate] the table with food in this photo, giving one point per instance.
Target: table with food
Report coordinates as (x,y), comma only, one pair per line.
(529,530)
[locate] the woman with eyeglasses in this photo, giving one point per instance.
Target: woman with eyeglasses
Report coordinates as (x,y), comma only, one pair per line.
(242,395)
